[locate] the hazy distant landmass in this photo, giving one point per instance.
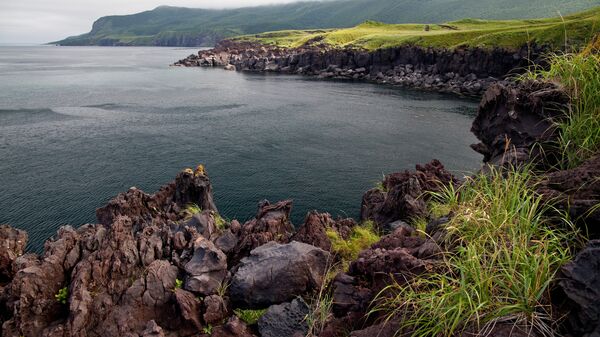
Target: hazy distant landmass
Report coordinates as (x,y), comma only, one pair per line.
(177,26)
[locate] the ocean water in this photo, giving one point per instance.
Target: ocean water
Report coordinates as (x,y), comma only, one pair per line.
(78,125)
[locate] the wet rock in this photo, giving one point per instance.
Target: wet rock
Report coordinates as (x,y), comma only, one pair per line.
(206,269)
(270,224)
(12,245)
(405,194)
(229,67)
(275,273)
(580,283)
(513,120)
(215,309)
(288,319)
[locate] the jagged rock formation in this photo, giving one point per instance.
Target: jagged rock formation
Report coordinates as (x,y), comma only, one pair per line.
(466,71)
(404,194)
(516,123)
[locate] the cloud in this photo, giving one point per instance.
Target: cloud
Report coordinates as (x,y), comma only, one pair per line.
(41,21)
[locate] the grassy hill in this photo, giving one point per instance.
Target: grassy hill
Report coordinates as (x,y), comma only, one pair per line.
(175,26)
(574,30)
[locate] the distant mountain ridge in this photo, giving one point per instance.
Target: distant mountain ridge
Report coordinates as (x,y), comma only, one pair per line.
(178,26)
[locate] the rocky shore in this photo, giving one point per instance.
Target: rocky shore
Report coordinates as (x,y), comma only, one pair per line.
(150,267)
(463,71)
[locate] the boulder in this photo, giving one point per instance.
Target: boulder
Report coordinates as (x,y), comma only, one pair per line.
(12,245)
(276,273)
(580,283)
(287,319)
(207,268)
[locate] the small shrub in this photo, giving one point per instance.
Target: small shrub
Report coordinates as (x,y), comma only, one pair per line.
(62,295)
(362,237)
(249,316)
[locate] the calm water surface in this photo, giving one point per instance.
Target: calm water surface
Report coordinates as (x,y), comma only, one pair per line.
(80,124)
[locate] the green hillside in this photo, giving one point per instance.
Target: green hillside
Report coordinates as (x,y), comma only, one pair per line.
(174,26)
(574,30)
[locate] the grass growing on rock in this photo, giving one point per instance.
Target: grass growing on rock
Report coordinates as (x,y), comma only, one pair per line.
(502,255)
(362,237)
(579,73)
(574,30)
(250,316)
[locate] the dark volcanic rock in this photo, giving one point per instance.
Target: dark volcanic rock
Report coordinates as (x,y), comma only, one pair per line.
(189,307)
(272,223)
(580,282)
(206,269)
(576,191)
(141,208)
(215,309)
(12,245)
(275,273)
(233,328)
(464,71)
(405,194)
(512,119)
(287,319)
(313,231)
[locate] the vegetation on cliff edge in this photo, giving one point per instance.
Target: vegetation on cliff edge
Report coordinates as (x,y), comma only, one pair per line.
(574,31)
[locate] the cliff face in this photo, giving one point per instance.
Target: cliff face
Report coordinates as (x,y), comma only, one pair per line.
(468,71)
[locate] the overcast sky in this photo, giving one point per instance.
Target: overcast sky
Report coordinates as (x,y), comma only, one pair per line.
(41,21)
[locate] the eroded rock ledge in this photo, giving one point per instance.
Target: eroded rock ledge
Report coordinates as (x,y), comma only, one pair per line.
(465,71)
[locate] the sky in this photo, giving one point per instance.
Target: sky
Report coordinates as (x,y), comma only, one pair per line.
(41,21)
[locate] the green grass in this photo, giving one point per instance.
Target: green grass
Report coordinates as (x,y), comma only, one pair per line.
(249,316)
(580,75)
(573,31)
(62,295)
(362,237)
(502,255)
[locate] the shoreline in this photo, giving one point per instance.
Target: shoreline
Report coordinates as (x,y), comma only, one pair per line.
(463,71)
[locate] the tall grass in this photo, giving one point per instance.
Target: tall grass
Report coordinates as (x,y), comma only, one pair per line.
(580,130)
(501,256)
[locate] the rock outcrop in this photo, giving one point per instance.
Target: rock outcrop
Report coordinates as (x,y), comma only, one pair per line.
(516,123)
(466,71)
(13,242)
(404,194)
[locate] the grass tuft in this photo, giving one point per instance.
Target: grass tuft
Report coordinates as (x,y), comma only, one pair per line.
(580,131)
(362,237)
(249,316)
(502,255)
